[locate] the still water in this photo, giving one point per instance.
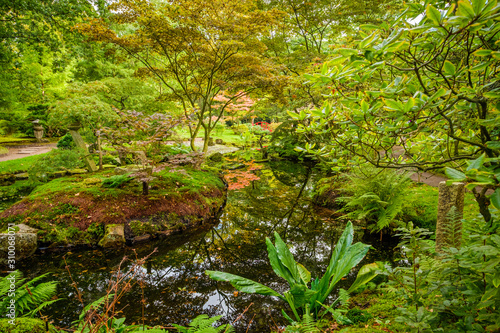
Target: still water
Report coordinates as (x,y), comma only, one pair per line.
(175,287)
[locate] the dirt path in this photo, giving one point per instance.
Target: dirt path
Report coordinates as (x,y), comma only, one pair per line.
(16,152)
(428,178)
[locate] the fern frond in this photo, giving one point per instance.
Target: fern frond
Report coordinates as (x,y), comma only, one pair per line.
(94,305)
(40,307)
(29,296)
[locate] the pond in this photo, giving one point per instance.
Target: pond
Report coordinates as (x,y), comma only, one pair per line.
(175,287)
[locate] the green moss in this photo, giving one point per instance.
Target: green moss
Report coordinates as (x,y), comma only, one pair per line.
(140,228)
(3,150)
(11,139)
(187,180)
(25,325)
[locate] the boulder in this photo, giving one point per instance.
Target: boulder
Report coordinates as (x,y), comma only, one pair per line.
(25,243)
(114,236)
(219,141)
(216,157)
(21,176)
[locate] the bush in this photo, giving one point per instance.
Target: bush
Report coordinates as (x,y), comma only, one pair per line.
(66,142)
(116,181)
(56,160)
(240,129)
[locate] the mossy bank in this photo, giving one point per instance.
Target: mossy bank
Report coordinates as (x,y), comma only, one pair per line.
(80,209)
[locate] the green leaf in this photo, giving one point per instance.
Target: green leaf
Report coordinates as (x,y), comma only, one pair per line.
(477,163)
(455,174)
(347,52)
(243,284)
(449,68)
(441,92)
(495,198)
(480,67)
(305,275)
(465,9)
(301,295)
(276,264)
(433,14)
(367,273)
(482,53)
(286,257)
(493,144)
(478,5)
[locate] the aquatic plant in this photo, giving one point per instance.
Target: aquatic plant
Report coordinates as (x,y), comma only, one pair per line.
(301,298)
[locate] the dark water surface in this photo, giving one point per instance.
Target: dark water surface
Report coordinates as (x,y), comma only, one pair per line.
(175,286)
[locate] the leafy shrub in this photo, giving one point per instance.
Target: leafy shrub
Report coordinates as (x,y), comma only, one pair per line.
(116,181)
(204,324)
(178,149)
(56,160)
(66,142)
(240,129)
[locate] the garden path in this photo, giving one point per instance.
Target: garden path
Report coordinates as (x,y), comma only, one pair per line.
(16,152)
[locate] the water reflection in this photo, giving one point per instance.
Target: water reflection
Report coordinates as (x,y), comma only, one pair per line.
(176,288)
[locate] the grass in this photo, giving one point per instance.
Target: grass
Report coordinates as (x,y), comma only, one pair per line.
(3,150)
(11,139)
(18,165)
(226,135)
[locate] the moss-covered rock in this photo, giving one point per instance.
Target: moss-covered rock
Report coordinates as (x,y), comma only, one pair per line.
(25,325)
(21,242)
(114,236)
(76,209)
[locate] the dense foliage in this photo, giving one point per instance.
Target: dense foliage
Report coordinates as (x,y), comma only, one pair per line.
(364,90)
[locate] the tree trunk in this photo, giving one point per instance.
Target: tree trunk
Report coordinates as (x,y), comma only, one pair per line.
(194,134)
(145,188)
(77,138)
(100,151)
(206,138)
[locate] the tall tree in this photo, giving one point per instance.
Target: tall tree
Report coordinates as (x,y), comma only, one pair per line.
(197,48)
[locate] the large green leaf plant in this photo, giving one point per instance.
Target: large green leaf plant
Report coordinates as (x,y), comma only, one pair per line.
(306,295)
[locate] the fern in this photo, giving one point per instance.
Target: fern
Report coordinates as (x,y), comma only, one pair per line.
(116,180)
(376,197)
(30,297)
(453,228)
(306,325)
(204,324)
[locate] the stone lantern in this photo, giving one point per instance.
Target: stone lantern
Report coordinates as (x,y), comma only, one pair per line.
(38,129)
